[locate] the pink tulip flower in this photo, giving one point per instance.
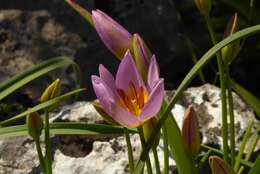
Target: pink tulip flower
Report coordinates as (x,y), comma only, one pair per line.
(127,99)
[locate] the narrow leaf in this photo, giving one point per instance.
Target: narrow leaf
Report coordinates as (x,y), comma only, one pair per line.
(20,80)
(66,128)
(256,167)
(247,96)
(243,145)
(189,77)
(41,106)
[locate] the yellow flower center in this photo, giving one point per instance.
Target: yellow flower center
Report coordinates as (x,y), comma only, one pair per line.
(133,100)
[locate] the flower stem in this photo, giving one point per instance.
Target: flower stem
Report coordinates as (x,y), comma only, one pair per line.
(148,161)
(48,144)
(165,151)
(40,156)
(232,120)
(251,148)
(156,160)
(223,90)
(129,150)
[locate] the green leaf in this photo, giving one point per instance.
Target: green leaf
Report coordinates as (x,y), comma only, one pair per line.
(256,167)
(20,80)
(66,128)
(180,156)
(243,145)
(247,96)
(41,106)
(205,148)
(186,81)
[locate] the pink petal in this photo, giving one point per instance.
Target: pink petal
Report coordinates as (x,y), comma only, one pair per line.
(153,73)
(114,36)
(154,102)
(127,72)
(104,93)
(125,118)
(107,77)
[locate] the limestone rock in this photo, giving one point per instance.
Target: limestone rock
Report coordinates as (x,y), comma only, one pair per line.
(108,154)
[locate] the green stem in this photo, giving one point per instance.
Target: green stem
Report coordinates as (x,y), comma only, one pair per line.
(129,150)
(194,168)
(41,159)
(194,57)
(48,144)
(204,159)
(243,145)
(232,120)
(148,161)
(251,148)
(223,90)
(165,151)
(243,162)
(156,160)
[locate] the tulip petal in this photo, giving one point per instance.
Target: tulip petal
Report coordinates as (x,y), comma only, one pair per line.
(104,94)
(153,73)
(141,51)
(114,36)
(107,77)
(127,73)
(154,102)
(125,118)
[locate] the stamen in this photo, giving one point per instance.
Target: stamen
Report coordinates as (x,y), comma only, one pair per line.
(133,100)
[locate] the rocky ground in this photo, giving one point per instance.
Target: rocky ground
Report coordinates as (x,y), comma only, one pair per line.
(107,154)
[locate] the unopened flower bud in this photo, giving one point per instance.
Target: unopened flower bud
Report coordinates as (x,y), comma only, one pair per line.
(204,6)
(34,124)
(52,91)
(114,36)
(190,132)
(219,166)
(230,51)
(142,55)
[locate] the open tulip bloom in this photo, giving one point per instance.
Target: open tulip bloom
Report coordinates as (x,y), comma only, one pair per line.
(127,99)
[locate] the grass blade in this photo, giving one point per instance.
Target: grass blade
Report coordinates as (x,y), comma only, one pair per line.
(20,80)
(247,96)
(41,106)
(243,145)
(256,167)
(66,128)
(189,77)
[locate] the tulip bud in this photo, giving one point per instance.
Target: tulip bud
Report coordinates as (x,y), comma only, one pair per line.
(219,166)
(204,6)
(52,91)
(190,132)
(101,112)
(34,124)
(230,51)
(114,36)
(142,55)
(83,12)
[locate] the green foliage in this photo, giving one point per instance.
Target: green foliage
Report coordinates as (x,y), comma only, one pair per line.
(186,81)
(66,128)
(43,68)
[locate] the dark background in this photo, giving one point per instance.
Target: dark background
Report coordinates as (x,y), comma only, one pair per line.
(162,23)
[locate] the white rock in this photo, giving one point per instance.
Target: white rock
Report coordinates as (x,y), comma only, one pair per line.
(108,154)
